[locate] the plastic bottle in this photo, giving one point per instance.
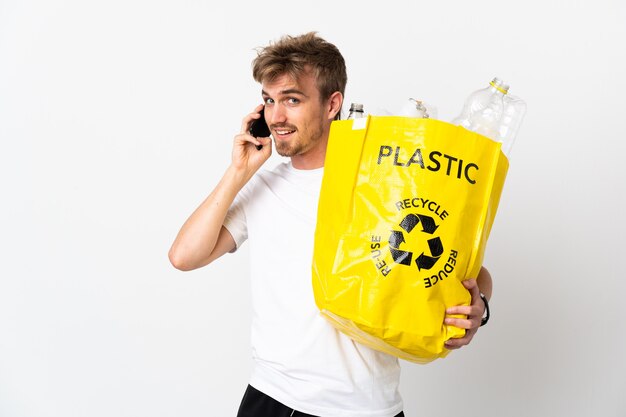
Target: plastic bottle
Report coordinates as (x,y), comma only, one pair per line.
(514,111)
(356,111)
(493,113)
(414,108)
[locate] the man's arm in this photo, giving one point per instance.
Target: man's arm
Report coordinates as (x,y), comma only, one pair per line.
(203,238)
(474,312)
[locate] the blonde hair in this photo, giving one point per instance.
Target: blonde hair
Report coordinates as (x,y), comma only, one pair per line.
(295,55)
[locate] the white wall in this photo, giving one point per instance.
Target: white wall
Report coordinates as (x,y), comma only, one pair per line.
(116,120)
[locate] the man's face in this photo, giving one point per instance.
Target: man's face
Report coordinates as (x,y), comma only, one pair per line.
(295,115)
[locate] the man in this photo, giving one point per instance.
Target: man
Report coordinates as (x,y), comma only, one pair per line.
(302,365)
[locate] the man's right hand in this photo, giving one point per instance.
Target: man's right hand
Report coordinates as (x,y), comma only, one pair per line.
(246,158)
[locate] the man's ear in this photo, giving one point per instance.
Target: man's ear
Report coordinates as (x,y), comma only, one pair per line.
(334,104)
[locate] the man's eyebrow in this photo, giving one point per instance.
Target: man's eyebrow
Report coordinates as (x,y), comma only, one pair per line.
(286,92)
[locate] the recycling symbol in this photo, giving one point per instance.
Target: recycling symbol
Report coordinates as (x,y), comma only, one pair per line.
(396,240)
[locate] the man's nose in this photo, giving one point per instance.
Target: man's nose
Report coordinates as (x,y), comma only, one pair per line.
(277,115)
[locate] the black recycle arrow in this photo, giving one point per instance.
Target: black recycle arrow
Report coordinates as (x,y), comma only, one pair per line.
(409,222)
(436,250)
(401,257)
(428,224)
(396,239)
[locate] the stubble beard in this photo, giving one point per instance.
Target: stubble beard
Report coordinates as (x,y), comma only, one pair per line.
(303,142)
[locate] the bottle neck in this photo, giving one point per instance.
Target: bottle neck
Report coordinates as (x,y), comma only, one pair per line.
(355,114)
(493,87)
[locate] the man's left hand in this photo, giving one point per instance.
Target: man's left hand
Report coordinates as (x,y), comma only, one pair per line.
(474,313)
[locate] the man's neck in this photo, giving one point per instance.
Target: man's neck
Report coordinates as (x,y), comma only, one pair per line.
(311,160)
(306,164)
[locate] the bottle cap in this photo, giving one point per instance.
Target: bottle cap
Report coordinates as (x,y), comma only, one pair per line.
(499,85)
(356,107)
(420,109)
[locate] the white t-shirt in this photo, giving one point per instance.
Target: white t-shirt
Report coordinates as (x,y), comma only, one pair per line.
(299,358)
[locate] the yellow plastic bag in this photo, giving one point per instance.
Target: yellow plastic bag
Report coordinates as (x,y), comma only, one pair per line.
(404,214)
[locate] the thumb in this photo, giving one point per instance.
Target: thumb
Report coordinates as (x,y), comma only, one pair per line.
(470,283)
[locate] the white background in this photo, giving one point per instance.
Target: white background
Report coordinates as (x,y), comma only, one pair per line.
(116,119)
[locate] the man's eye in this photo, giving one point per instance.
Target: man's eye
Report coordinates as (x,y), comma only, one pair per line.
(293,100)
(268,100)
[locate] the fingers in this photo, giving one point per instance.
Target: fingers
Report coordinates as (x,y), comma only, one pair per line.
(458,322)
(245,123)
(472,286)
(250,152)
(476,307)
(456,310)
(265,145)
(453,344)
(472,321)
(472,310)
(471,317)
(249,148)
(246,156)
(243,138)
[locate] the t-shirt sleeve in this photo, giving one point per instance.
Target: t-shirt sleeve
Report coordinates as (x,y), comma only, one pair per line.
(235,221)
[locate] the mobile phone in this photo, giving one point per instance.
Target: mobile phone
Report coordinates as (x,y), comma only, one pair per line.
(259,127)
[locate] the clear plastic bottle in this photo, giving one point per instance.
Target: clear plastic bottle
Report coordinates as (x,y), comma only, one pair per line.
(493,113)
(414,108)
(356,111)
(514,111)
